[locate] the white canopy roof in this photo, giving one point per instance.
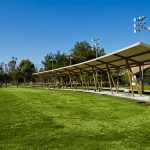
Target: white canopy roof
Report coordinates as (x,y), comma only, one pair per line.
(136,54)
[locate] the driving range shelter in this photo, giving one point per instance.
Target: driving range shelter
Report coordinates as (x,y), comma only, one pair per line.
(122,60)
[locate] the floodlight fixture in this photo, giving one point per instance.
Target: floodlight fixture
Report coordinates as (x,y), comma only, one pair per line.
(147,28)
(137,30)
(134,25)
(134,19)
(96,45)
(96,40)
(139,25)
(141,18)
(134,30)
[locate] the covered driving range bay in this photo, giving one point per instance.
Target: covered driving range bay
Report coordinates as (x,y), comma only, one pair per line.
(112,64)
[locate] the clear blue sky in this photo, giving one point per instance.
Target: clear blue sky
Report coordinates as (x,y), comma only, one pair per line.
(33,28)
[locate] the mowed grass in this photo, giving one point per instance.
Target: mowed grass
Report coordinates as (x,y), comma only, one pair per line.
(39,119)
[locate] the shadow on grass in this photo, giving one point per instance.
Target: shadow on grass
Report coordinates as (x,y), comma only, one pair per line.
(20,129)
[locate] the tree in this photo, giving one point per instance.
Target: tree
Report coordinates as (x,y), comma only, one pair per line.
(82,51)
(6,78)
(2,74)
(12,63)
(1,78)
(47,62)
(41,70)
(2,66)
(147,75)
(27,68)
(16,75)
(57,60)
(61,60)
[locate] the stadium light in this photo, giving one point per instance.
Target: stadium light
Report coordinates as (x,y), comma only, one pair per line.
(141,18)
(134,20)
(96,45)
(147,28)
(134,30)
(134,25)
(139,25)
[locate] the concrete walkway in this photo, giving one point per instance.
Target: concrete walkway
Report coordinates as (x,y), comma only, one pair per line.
(143,98)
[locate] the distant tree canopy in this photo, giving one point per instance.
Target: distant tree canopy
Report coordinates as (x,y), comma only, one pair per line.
(27,68)
(82,51)
(147,75)
(12,64)
(61,59)
(47,62)
(1,78)
(11,73)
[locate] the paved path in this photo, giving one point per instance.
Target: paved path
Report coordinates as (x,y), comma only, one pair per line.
(143,98)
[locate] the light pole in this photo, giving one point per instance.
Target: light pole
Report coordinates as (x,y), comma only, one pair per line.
(70,57)
(52,60)
(70,60)
(139,25)
(96,45)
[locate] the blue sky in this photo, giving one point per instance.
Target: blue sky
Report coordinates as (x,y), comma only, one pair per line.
(32,28)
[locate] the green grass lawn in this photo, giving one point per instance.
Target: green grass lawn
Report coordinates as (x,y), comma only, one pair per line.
(38,119)
(146,87)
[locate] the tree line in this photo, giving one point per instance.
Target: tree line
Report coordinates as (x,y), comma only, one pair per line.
(23,73)
(11,73)
(82,51)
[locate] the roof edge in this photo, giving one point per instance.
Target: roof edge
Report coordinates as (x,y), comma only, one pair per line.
(112,53)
